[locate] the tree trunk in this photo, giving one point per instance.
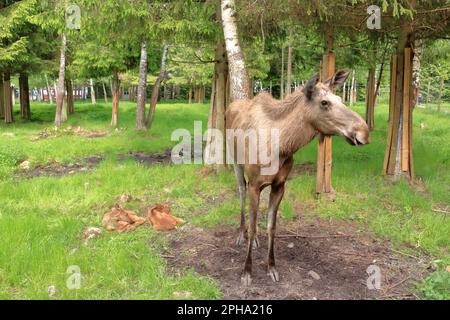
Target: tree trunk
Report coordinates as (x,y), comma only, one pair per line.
(289,66)
(352,89)
(282,73)
(64,109)
(239,80)
(190,94)
(24,96)
(439,100)
(13,96)
(9,118)
(378,86)
(70,102)
(398,160)
(324,147)
(156,87)
(418,49)
(50,98)
(2,100)
(91,85)
(343,91)
(60,90)
(202,96)
(105,94)
(115,84)
(370,99)
(142,89)
(218,107)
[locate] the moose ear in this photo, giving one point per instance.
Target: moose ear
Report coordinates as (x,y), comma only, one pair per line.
(338,79)
(310,85)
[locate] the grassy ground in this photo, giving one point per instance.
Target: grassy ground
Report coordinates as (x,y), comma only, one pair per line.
(42,219)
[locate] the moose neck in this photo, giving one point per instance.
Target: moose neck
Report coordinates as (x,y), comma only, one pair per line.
(292,118)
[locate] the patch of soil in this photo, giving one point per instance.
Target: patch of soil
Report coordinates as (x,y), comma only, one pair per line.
(148,158)
(306,168)
(337,251)
(52,133)
(89,134)
(57,169)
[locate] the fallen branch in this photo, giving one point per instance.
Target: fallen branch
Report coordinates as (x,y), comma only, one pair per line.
(398,283)
(314,237)
(402,253)
(441,211)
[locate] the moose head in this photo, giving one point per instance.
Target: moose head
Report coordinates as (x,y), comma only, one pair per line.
(329,115)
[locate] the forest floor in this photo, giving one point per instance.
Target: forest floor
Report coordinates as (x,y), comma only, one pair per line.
(53,185)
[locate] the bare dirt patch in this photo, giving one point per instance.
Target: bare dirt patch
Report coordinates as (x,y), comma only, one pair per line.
(306,168)
(317,259)
(57,169)
(148,158)
(52,133)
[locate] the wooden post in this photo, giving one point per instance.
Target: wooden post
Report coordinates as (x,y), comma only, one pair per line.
(398,157)
(370,99)
(324,158)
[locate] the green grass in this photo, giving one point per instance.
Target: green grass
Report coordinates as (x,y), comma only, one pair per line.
(42,219)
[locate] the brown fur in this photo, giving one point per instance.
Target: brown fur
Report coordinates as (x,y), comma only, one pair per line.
(299,118)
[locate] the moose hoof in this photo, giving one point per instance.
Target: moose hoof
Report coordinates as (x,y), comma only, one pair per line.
(246,279)
(240,239)
(273,273)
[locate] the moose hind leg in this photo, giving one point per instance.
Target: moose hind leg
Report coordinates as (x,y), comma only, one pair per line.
(274,202)
(254,192)
(239,172)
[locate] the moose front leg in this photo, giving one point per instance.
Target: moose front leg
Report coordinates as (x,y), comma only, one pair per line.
(274,202)
(239,172)
(254,192)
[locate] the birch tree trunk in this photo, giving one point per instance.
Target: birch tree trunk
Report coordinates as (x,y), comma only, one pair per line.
(142,88)
(60,90)
(352,89)
(13,96)
(105,95)
(190,94)
(343,91)
(289,66)
(428,93)
(418,49)
(24,96)
(91,85)
(115,85)
(156,87)
(239,80)
(50,98)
